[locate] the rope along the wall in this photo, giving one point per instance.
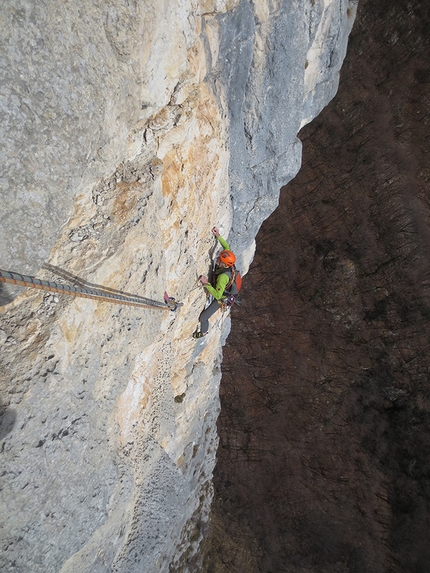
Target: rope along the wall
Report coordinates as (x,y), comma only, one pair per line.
(32,282)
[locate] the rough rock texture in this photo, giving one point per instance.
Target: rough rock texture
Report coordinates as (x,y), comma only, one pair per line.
(279,64)
(123,124)
(76,80)
(323,461)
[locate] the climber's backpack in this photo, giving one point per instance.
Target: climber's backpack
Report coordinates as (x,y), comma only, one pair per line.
(233,287)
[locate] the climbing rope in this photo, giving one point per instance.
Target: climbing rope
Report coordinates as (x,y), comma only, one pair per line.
(128,300)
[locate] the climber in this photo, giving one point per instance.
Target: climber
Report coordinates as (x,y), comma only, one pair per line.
(223,279)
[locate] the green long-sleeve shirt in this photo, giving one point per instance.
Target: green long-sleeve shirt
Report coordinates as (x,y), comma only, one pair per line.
(222,279)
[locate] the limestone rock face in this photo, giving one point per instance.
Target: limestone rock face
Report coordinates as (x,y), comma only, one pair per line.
(279,62)
(128,130)
(324,429)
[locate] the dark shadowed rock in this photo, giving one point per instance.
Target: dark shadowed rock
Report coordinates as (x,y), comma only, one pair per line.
(323,461)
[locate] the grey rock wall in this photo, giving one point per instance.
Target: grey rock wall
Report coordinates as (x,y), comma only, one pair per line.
(76,78)
(279,63)
(60,75)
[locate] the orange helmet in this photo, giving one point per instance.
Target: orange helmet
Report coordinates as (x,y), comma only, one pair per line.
(228,258)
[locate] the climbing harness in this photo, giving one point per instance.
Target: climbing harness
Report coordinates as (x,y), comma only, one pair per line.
(227,302)
(120,298)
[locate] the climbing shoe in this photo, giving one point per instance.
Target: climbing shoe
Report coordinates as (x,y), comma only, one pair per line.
(198,334)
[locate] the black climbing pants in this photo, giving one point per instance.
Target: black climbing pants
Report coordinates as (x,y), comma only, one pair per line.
(206,314)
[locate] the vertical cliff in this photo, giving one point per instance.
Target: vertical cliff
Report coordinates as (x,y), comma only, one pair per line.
(129,129)
(325,403)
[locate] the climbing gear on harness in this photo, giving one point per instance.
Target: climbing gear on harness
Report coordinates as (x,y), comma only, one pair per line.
(227,302)
(97,294)
(227,257)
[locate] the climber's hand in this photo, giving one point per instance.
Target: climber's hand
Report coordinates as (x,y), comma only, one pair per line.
(215,232)
(203,280)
